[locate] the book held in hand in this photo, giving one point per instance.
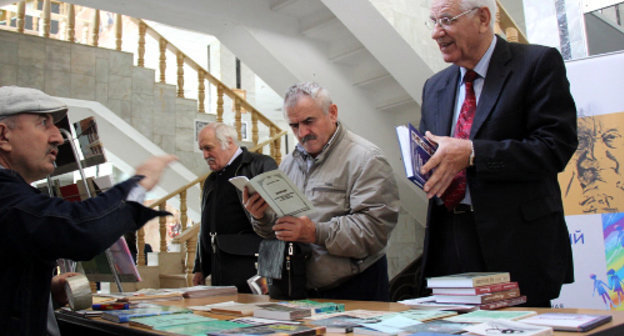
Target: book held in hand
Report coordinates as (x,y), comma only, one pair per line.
(416,150)
(468,279)
(568,321)
(278,191)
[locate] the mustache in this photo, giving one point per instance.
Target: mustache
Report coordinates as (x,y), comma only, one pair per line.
(209,160)
(53,148)
(308,138)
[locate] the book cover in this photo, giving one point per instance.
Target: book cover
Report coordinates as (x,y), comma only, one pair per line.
(205,291)
(250,320)
(152,310)
(437,327)
(475,290)
(342,323)
(425,315)
(281,312)
(359,313)
(415,150)
(504,327)
(429,303)
(480,316)
(468,279)
(568,321)
(316,307)
(388,325)
(151,322)
(238,309)
(504,303)
(98,268)
(479,298)
(278,191)
(200,328)
(273,329)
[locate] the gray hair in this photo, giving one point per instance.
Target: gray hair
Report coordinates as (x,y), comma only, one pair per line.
(310,89)
(223,132)
(490,4)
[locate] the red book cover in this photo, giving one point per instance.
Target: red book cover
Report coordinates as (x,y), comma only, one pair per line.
(70,193)
(504,303)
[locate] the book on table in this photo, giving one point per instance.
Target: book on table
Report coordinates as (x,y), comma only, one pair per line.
(151,322)
(416,150)
(480,316)
(505,327)
(316,307)
(341,323)
(479,298)
(205,291)
(278,191)
(522,299)
(201,328)
(281,312)
(145,310)
(272,329)
(569,321)
(236,308)
(438,327)
(468,279)
(474,290)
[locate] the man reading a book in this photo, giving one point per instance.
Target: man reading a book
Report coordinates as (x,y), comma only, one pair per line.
(505,124)
(39,229)
(352,188)
(227,243)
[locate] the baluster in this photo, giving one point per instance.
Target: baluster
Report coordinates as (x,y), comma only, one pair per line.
(201,91)
(191,246)
(201,184)
(21,13)
(45,13)
(180,74)
(183,210)
(278,151)
(95,28)
(162,45)
(141,51)
(71,23)
(118,31)
(254,127)
(220,103)
(142,261)
(512,34)
(163,228)
(497,24)
(272,145)
(237,118)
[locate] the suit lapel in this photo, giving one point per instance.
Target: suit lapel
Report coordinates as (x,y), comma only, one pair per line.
(497,74)
(446,103)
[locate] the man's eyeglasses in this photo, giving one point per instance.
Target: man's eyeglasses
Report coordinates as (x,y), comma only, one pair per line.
(446,21)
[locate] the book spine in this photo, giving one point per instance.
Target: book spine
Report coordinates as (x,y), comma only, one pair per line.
(496,288)
(497,296)
(503,303)
(490,279)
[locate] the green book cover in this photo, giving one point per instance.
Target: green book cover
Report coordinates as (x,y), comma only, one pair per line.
(167,320)
(480,316)
(201,328)
(151,310)
(317,306)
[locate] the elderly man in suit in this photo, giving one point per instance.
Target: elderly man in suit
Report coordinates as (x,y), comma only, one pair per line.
(505,123)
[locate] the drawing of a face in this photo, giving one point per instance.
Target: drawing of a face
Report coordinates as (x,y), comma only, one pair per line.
(598,165)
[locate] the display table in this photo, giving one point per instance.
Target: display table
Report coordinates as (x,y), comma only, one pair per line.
(78,325)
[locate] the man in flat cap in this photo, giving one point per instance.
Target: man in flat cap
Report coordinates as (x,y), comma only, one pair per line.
(39,229)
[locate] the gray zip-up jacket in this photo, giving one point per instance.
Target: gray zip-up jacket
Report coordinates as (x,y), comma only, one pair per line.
(353,189)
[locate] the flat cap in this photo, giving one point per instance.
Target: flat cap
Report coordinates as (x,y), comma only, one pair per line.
(15,100)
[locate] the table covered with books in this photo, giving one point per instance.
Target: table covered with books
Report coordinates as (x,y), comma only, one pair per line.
(72,323)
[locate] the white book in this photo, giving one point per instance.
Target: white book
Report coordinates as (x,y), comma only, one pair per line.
(568,321)
(504,327)
(278,191)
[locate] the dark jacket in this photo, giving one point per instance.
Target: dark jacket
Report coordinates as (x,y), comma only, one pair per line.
(524,133)
(251,164)
(38,229)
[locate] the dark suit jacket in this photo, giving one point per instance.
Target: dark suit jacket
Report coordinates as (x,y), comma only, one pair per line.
(524,133)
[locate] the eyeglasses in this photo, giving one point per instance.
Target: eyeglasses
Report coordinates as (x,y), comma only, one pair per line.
(446,21)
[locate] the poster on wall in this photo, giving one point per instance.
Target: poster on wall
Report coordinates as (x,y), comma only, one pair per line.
(592,185)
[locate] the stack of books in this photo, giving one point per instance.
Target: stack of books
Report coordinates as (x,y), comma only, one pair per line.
(483,290)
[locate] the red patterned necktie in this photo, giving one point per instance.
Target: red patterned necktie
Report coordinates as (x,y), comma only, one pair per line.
(457,190)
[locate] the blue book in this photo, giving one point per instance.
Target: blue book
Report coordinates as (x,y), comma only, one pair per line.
(416,150)
(149,310)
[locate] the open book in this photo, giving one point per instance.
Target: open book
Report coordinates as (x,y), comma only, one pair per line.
(415,151)
(280,193)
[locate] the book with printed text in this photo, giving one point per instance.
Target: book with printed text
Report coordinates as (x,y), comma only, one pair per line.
(416,150)
(316,307)
(157,321)
(278,191)
(151,310)
(475,290)
(281,312)
(480,316)
(273,329)
(468,279)
(505,327)
(568,321)
(479,298)
(200,328)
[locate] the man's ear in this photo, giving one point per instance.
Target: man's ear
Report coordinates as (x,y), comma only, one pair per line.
(5,131)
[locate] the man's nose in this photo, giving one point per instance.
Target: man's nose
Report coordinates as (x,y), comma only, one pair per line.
(206,154)
(55,137)
(303,131)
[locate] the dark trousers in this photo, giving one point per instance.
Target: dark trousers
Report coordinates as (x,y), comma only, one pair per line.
(370,285)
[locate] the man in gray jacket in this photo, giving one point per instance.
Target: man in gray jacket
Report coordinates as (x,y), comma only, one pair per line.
(352,187)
